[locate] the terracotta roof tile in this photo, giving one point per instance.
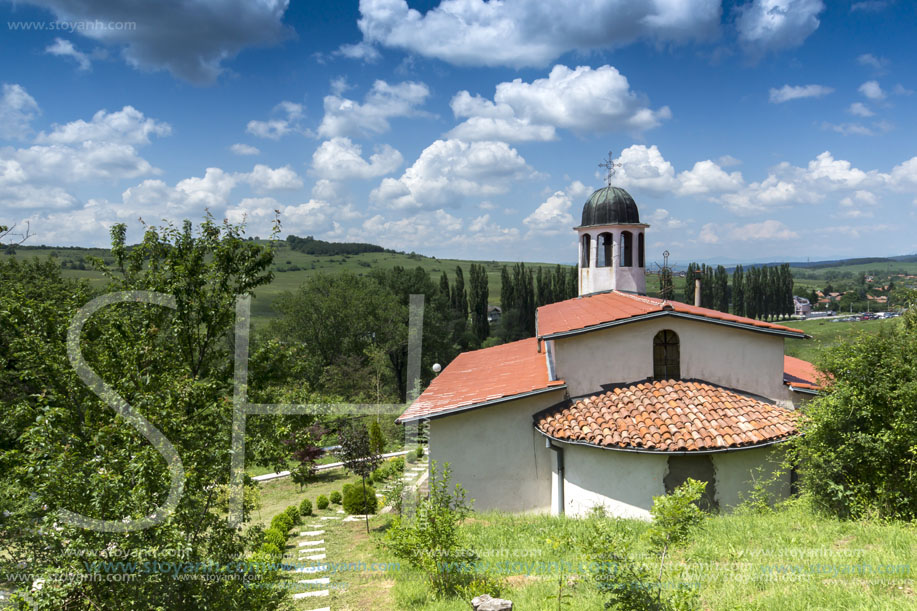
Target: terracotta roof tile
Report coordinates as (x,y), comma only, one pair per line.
(481,376)
(802,374)
(705,417)
(591,310)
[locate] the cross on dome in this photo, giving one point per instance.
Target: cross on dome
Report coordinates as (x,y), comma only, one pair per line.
(609,165)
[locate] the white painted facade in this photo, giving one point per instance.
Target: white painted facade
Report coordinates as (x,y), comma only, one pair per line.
(734,358)
(496,454)
(624,483)
(613,275)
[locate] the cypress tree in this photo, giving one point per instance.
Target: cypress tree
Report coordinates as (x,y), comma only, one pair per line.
(738,291)
(479,295)
(721,289)
(507,297)
(690,275)
(572,282)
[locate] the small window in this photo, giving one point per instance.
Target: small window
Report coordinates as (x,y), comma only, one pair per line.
(666,356)
(603,253)
(585,258)
(641,261)
(627,249)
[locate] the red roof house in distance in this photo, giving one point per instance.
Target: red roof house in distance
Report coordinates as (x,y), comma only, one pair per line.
(620,397)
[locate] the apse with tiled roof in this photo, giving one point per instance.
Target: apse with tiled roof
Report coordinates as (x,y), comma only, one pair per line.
(620,396)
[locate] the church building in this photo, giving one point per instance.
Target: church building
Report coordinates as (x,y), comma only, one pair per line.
(619,397)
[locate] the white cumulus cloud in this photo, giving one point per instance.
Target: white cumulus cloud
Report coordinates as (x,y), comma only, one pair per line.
(346,117)
(17,109)
(583,100)
(448,171)
(772,25)
(519,33)
(341,159)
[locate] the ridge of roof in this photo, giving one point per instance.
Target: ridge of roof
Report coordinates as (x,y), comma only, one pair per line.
(483,377)
(597,310)
(668,416)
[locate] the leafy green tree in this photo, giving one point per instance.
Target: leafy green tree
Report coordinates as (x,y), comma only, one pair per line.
(690,275)
(357,453)
(857,452)
(64,449)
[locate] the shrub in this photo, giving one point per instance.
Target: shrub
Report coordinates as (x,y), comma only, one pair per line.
(411,457)
(282,522)
(631,583)
(396,465)
(430,541)
(322,502)
(356,503)
(376,438)
(293,512)
(335,497)
(273,536)
(377,475)
(857,449)
(419,451)
(305,508)
(272,551)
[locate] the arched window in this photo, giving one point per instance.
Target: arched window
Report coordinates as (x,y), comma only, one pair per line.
(641,260)
(627,249)
(603,252)
(666,356)
(586,243)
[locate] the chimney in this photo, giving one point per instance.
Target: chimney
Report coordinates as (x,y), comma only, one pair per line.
(697,291)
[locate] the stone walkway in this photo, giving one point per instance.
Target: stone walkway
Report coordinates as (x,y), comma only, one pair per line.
(312,551)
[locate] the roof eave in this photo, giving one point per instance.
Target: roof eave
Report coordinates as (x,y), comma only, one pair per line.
(651,315)
(471,406)
(634,450)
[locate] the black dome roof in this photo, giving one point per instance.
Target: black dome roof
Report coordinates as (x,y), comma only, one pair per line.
(610,206)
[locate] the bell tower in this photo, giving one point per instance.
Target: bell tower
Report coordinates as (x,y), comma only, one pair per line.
(612,250)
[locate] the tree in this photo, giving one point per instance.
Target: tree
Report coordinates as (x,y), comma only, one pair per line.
(690,275)
(857,452)
(666,285)
(357,453)
(738,291)
(721,289)
(376,438)
(65,449)
(478,302)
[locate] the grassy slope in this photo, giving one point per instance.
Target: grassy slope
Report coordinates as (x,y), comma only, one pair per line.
(825,333)
(790,559)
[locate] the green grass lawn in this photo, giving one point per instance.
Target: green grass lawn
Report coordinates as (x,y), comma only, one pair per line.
(826,333)
(787,560)
(278,494)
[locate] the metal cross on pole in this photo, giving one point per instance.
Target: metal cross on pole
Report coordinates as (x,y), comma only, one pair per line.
(609,165)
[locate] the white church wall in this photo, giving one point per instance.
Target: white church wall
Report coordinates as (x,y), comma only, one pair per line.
(734,358)
(497,455)
(624,483)
(736,471)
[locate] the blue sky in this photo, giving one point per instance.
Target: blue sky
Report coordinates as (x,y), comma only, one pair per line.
(745,130)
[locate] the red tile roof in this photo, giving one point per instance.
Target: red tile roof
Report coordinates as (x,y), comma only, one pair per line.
(484,376)
(587,311)
(801,374)
(668,416)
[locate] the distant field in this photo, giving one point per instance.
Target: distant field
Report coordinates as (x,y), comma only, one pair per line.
(826,333)
(292,268)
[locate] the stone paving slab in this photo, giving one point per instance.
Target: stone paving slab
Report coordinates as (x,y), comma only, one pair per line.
(315,594)
(311,533)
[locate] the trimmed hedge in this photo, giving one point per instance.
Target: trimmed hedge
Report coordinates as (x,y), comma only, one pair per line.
(322,502)
(272,536)
(282,522)
(336,497)
(293,512)
(305,508)
(356,503)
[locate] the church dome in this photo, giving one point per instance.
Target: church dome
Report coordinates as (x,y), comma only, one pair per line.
(610,206)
